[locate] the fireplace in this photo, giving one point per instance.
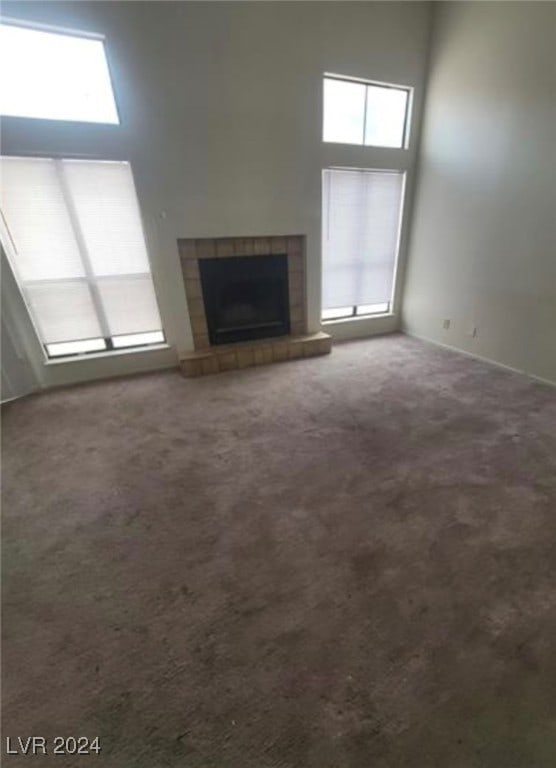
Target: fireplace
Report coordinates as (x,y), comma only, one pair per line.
(246,301)
(245,298)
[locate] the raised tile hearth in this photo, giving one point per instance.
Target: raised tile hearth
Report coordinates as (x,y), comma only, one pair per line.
(246,354)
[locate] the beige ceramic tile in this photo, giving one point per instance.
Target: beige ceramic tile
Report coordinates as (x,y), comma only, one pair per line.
(209,365)
(187,249)
(277,245)
(296,296)
(224,247)
(201,341)
(199,326)
(227,361)
(296,281)
(261,246)
(247,246)
(258,356)
(196,308)
(295,245)
(191,269)
(295,262)
(191,367)
(325,346)
(280,351)
(193,289)
(245,357)
(267,355)
(239,246)
(295,350)
(205,248)
(311,347)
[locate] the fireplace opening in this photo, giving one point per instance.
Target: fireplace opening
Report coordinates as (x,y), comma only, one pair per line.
(245,297)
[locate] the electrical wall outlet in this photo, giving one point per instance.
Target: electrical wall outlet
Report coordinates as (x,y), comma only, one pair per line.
(446,324)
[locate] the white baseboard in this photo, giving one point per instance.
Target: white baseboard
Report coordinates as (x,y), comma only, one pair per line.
(473,355)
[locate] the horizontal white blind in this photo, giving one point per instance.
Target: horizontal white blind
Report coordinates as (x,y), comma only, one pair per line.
(361,222)
(73,233)
(33,204)
(63,311)
(108,214)
(129,304)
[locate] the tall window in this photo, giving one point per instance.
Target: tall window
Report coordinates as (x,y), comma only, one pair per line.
(73,234)
(361,224)
(362,208)
(55,76)
(366,113)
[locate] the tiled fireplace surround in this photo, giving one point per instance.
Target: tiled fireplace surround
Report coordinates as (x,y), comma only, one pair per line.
(207,358)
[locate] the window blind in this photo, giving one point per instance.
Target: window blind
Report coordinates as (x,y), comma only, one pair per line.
(73,233)
(361,222)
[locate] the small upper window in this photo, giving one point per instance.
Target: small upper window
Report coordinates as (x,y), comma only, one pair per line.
(54,76)
(370,114)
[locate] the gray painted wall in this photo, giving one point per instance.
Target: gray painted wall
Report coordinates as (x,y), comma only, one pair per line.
(483,242)
(221,107)
(17,376)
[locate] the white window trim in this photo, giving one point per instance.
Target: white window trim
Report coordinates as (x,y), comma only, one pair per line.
(106,355)
(408,112)
(69,32)
(405,160)
(42,27)
(393,309)
(115,352)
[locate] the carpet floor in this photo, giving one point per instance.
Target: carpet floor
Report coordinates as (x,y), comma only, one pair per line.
(341,562)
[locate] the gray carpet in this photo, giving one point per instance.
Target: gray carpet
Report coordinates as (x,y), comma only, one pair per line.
(343,562)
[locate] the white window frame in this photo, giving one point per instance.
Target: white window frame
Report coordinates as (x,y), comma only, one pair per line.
(379,84)
(380,158)
(353,313)
(89,278)
(81,147)
(68,32)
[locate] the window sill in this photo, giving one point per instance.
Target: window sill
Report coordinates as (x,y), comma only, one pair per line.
(106,355)
(358,318)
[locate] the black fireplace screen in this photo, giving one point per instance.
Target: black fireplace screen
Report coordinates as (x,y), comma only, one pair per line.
(246,297)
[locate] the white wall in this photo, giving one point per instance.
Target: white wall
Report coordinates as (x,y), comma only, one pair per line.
(17,377)
(221,107)
(483,242)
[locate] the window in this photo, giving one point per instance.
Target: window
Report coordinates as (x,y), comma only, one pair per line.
(54,76)
(358,112)
(72,232)
(361,224)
